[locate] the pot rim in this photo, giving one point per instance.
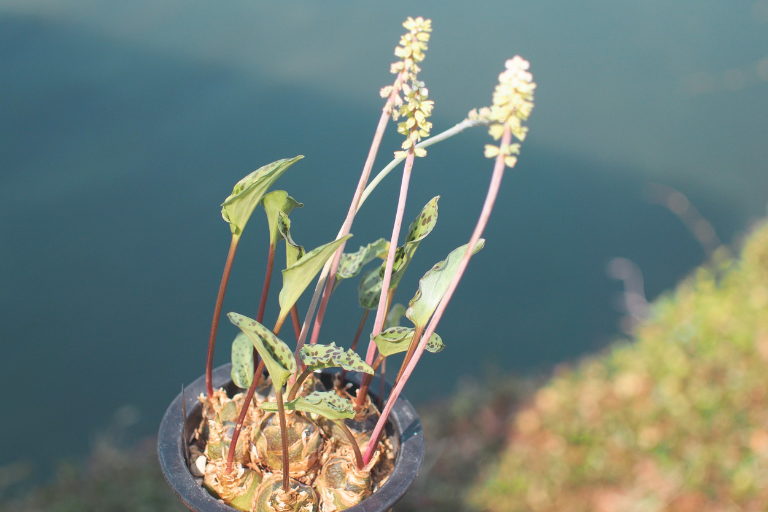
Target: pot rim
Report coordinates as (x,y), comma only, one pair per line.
(170,449)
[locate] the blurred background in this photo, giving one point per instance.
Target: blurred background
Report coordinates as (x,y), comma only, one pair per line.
(124,125)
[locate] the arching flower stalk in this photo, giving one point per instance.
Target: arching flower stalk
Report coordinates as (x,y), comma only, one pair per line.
(512,103)
(475,118)
(411,50)
(416,110)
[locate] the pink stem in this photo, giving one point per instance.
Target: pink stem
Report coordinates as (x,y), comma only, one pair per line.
(382,310)
(327,290)
(347,226)
(490,199)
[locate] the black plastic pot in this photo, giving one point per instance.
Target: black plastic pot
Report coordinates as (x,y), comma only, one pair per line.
(403,428)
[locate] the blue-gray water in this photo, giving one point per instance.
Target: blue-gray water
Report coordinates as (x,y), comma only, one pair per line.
(114,158)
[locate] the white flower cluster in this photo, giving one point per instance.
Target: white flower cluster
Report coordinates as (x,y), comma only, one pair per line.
(413,44)
(512,103)
(417,109)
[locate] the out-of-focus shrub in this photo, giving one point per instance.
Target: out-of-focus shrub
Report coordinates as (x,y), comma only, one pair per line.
(114,480)
(463,434)
(675,421)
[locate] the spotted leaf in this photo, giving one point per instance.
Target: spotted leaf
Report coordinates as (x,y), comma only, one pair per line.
(424,223)
(298,276)
(435,344)
(242,361)
(275,202)
(397,339)
(325,403)
(369,290)
(293,251)
(276,355)
(434,284)
(418,230)
(352,263)
(318,356)
(393,340)
(248,192)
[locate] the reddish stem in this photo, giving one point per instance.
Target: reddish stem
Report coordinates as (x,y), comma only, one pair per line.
(390,295)
(297,385)
(297,328)
(353,207)
(366,382)
(490,199)
(284,435)
(295,320)
(241,417)
(260,369)
(381,384)
(217,315)
(267,280)
(363,390)
(279,325)
(411,349)
(327,291)
(353,442)
(357,337)
(381,311)
(379,361)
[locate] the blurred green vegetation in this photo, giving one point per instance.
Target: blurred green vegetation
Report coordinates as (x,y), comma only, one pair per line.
(115,479)
(675,421)
(463,434)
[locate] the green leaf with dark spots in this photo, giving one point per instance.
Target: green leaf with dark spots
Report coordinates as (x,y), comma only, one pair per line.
(418,230)
(397,339)
(399,264)
(393,340)
(275,202)
(277,357)
(424,223)
(434,284)
(325,403)
(248,192)
(435,344)
(369,290)
(298,276)
(352,263)
(318,356)
(242,361)
(293,251)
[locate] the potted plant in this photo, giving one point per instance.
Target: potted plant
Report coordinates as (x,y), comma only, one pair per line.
(287,433)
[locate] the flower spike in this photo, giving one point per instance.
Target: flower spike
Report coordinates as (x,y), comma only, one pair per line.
(411,50)
(512,103)
(416,126)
